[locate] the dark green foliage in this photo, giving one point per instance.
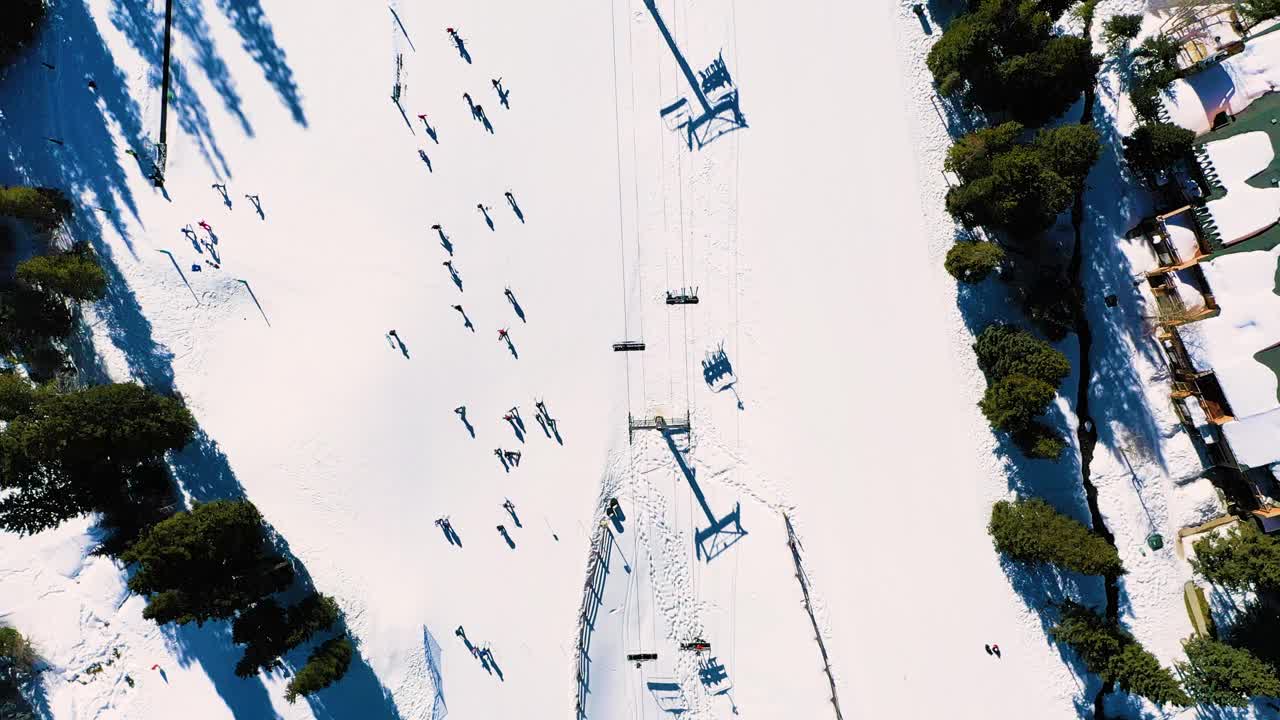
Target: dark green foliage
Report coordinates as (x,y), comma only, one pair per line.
(972,262)
(1155,65)
(270,631)
(325,667)
(1119,29)
(17,668)
(1003,56)
(206,564)
(1049,301)
(77,452)
(1013,402)
(1217,674)
(1257,629)
(1157,146)
(17,396)
(1255,11)
(1039,441)
(1243,559)
(30,317)
(19,22)
(1115,656)
(1032,531)
(1005,350)
(75,274)
(44,207)
(1018,187)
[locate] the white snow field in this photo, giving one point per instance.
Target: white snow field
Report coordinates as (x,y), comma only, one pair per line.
(814,236)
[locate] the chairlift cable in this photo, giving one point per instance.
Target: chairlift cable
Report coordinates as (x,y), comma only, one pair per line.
(622,254)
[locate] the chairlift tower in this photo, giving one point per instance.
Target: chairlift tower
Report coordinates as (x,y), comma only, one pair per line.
(657,422)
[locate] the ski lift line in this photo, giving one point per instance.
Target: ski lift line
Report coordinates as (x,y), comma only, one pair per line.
(622,249)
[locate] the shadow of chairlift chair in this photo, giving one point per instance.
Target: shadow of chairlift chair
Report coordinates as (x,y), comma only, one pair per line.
(717,111)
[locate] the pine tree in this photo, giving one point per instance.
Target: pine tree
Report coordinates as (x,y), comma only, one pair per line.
(1031,531)
(1217,674)
(1255,11)
(77,452)
(1004,350)
(206,564)
(44,207)
(17,669)
(1119,29)
(325,667)
(1012,402)
(75,274)
(1157,146)
(270,631)
(972,262)
(1243,559)
(20,20)
(1115,656)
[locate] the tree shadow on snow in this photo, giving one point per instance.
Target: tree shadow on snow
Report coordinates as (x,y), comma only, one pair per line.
(93,173)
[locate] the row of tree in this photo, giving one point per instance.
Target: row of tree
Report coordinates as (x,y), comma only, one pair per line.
(67,451)
(216,562)
(1005,57)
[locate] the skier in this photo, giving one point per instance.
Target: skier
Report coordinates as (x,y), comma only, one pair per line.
(502,94)
(393,334)
(448,264)
(995,649)
(206,226)
(502,335)
(508,505)
(461,410)
(513,457)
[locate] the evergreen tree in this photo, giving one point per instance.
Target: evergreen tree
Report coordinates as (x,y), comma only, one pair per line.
(17,396)
(17,669)
(76,452)
(1040,442)
(1155,65)
(1157,146)
(30,317)
(1031,531)
(325,667)
(44,207)
(1004,350)
(1018,187)
(1255,11)
(1003,56)
(1243,559)
(270,631)
(206,564)
(1257,629)
(19,22)
(1119,29)
(972,262)
(1217,674)
(1115,656)
(75,274)
(1012,403)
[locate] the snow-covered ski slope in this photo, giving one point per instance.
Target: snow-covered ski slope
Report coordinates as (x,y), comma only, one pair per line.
(814,237)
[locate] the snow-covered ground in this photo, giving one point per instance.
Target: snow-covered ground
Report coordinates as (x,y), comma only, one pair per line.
(815,237)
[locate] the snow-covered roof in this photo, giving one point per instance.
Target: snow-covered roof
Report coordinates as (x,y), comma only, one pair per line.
(1186,288)
(1255,440)
(1226,86)
(1244,285)
(1245,211)
(1182,235)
